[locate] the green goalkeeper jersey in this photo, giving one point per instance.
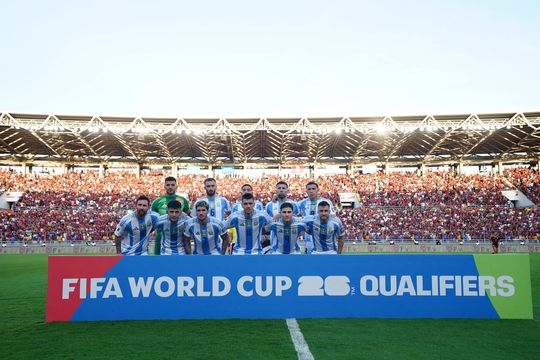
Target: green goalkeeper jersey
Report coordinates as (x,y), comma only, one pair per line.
(160,206)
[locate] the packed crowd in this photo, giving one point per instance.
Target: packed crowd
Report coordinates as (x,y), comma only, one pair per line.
(442,205)
(527,180)
(441,223)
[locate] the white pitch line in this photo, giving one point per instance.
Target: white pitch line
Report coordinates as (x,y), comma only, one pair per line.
(300,344)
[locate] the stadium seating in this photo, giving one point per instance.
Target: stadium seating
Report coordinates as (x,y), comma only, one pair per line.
(399,206)
(527,180)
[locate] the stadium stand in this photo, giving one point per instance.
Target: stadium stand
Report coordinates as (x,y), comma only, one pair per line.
(81,206)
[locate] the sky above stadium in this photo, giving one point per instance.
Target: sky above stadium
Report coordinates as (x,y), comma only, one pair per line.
(269,59)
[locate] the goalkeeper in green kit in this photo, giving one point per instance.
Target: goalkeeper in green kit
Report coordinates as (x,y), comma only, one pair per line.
(160,206)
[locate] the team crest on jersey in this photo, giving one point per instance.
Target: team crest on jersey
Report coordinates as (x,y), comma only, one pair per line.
(323,230)
(203,232)
(255,222)
(210,232)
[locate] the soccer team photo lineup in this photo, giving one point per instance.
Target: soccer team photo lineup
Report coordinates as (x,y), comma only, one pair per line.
(270,180)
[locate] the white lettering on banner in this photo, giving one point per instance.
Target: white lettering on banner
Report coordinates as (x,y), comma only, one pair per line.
(277,283)
(317,286)
(505,283)
(337,286)
(266,286)
(82,289)
(241,288)
(259,288)
(112,288)
(383,287)
(95,286)
(445,284)
(420,287)
(486,283)
(68,288)
(217,281)
(169,286)
(185,284)
(469,286)
(283,283)
(401,285)
(310,286)
(200,287)
(406,286)
(373,289)
(140,286)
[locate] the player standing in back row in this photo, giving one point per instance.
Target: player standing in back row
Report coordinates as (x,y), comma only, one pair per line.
(309,206)
(218,206)
(282,191)
(160,206)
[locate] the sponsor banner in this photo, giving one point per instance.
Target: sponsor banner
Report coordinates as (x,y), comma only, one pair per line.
(89,288)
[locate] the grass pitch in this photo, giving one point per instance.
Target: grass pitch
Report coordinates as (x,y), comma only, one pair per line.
(24,335)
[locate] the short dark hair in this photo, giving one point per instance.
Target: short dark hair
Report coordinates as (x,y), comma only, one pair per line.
(209,179)
(174,204)
(247,196)
(281,182)
(312,183)
(251,187)
(286,205)
(170,178)
(143,197)
(323,204)
(201,203)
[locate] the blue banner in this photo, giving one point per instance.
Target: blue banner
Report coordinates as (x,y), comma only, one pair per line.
(368,286)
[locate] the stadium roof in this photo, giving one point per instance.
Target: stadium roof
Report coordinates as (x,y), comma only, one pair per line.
(392,139)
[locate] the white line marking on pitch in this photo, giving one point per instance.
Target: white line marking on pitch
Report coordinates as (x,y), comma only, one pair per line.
(300,344)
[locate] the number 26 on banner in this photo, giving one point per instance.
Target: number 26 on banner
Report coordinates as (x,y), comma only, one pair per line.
(318,286)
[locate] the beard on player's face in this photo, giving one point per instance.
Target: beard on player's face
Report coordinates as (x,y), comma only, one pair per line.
(141,212)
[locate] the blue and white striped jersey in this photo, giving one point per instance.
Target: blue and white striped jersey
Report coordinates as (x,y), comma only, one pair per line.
(135,232)
(273,208)
(248,231)
(206,238)
(173,241)
(324,234)
(285,236)
(309,208)
(237,206)
(217,207)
